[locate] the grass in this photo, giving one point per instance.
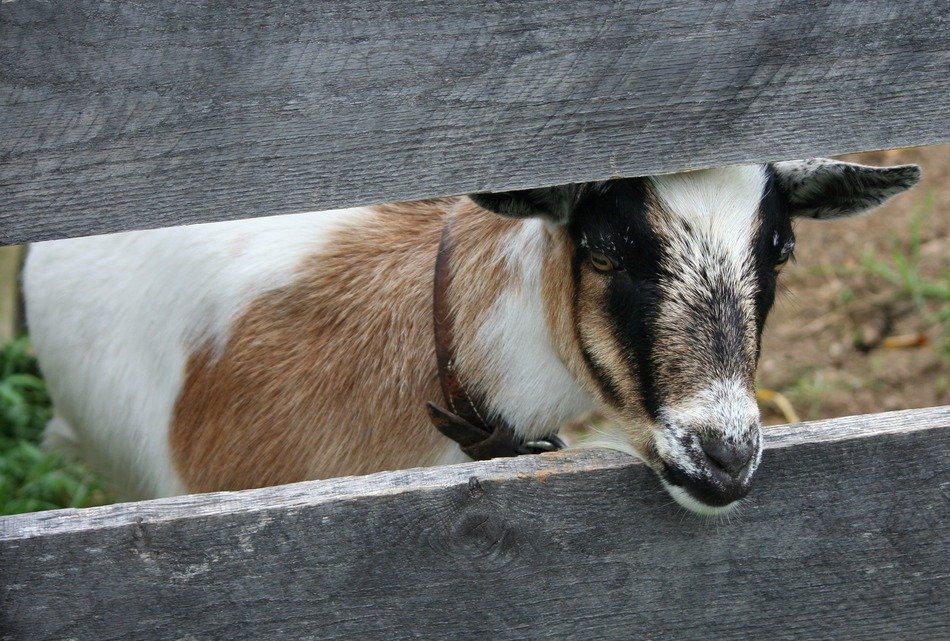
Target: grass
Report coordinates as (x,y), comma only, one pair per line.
(903,269)
(931,296)
(30,478)
(901,275)
(810,389)
(807,393)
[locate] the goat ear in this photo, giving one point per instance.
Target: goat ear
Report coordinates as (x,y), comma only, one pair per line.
(554,204)
(824,188)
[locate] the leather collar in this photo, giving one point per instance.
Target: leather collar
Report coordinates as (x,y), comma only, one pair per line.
(467,422)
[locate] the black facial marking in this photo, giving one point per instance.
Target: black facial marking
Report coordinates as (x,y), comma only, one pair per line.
(774,240)
(634,306)
(612,219)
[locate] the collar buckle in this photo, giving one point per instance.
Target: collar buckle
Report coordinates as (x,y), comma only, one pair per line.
(551,443)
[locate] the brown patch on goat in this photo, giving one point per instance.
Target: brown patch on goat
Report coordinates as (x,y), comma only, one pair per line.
(598,335)
(329,376)
(557,292)
(567,324)
(590,323)
(596,331)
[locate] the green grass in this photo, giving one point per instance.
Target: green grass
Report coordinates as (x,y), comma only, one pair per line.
(903,267)
(897,270)
(30,478)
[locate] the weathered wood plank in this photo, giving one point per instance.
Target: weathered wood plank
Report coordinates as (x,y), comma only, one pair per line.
(845,537)
(135,114)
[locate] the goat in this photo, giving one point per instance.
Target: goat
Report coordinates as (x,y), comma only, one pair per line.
(258,352)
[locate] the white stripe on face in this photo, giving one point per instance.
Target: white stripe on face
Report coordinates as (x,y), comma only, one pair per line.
(705,332)
(706,222)
(721,205)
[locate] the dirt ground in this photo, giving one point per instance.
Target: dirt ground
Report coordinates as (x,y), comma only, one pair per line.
(862,323)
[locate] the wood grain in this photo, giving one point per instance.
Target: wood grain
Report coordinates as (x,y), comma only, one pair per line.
(845,537)
(137,114)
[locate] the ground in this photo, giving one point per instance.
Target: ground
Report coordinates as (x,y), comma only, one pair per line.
(857,283)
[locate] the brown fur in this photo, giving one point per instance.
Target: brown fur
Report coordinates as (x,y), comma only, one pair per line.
(558,296)
(557,293)
(566,332)
(329,376)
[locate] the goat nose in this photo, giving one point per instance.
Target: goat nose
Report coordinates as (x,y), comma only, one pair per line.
(732,459)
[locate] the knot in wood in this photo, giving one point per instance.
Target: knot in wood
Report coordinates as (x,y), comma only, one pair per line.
(140,541)
(475,488)
(483,536)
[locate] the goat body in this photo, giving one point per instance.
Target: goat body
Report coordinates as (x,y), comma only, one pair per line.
(252,353)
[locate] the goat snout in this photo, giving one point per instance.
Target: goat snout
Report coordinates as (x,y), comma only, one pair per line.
(708,473)
(726,457)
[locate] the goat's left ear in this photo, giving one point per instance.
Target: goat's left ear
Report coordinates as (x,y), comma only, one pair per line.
(554,204)
(824,188)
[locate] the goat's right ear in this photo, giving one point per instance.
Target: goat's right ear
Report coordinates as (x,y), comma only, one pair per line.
(554,204)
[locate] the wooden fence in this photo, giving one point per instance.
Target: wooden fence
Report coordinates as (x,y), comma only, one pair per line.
(132,114)
(137,114)
(844,537)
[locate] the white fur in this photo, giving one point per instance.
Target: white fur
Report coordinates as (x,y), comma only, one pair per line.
(682,497)
(451,455)
(722,204)
(668,443)
(728,404)
(114,319)
(721,207)
(537,394)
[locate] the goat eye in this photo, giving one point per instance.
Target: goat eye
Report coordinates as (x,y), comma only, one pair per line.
(787,252)
(602,262)
(782,261)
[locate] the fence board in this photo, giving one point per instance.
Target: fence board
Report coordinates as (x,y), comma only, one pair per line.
(844,538)
(135,114)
